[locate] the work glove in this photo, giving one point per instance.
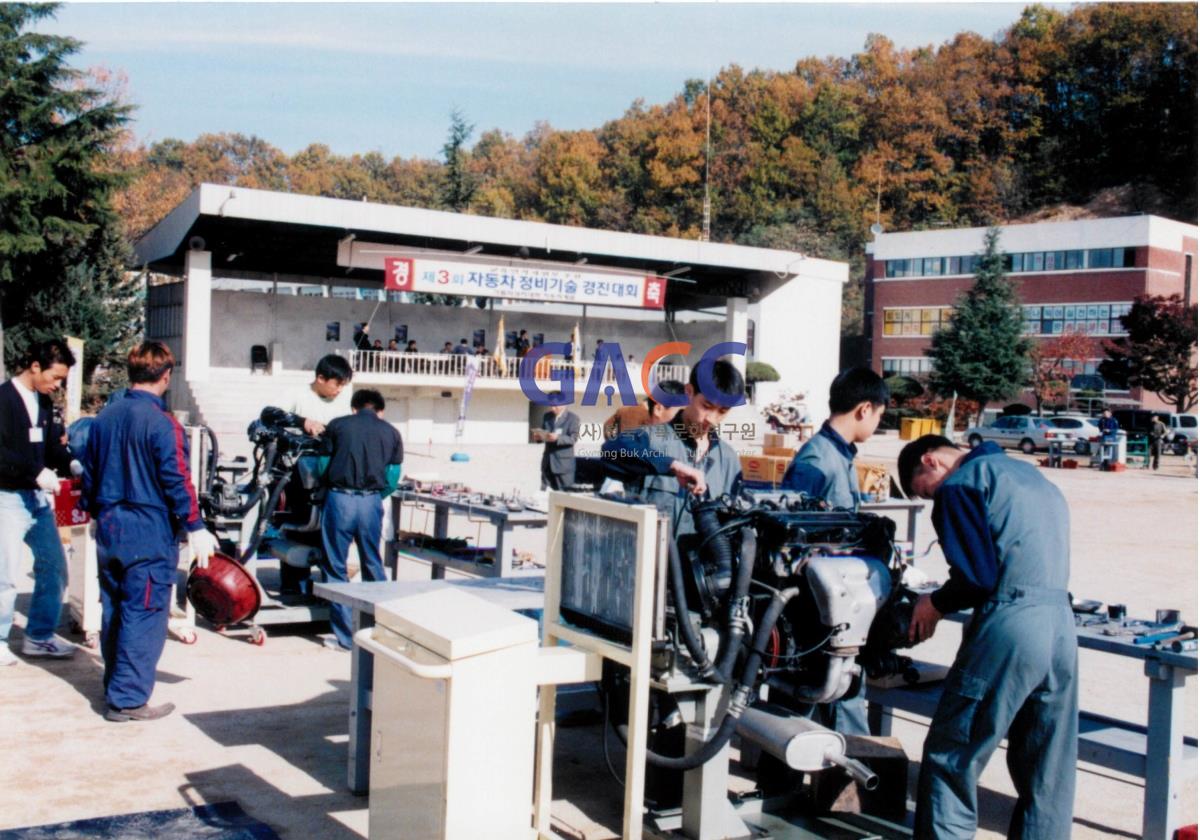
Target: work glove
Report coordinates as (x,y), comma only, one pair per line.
(47,480)
(76,468)
(202,545)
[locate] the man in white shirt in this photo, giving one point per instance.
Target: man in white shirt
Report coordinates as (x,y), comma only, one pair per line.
(32,456)
(325,397)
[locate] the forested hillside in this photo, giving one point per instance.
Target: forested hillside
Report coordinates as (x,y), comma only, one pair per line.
(1061,107)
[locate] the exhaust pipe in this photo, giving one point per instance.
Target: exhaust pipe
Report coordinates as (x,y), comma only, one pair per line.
(801,744)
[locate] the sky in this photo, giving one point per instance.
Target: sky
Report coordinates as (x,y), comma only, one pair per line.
(385,77)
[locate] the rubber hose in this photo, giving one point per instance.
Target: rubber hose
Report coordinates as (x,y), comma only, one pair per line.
(735,607)
(736,705)
(260,527)
(691,641)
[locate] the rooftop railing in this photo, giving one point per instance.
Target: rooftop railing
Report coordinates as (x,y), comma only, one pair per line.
(450,365)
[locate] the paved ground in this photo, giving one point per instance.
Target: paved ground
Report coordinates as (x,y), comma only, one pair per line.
(267,726)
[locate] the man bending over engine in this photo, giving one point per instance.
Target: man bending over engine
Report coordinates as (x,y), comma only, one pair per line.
(1004,530)
(660,462)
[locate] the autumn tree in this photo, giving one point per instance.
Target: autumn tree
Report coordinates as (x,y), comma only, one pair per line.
(1159,352)
(1051,365)
(983,354)
(459,186)
(56,219)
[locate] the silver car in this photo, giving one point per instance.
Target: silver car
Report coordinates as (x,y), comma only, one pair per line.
(1079,431)
(1023,432)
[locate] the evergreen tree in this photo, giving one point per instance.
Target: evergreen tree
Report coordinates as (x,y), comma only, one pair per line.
(56,218)
(460,186)
(983,354)
(1159,352)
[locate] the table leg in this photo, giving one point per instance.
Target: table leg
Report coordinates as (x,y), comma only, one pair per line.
(441,527)
(362,670)
(503,563)
(1164,751)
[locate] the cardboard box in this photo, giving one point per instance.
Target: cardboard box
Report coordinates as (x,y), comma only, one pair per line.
(780,451)
(765,467)
(774,440)
(67,512)
(873,480)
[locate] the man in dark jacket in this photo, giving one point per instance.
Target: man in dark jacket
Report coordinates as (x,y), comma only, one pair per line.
(31,451)
(137,485)
(365,465)
(1005,533)
(560,430)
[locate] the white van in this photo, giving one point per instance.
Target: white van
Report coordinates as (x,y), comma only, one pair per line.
(1182,431)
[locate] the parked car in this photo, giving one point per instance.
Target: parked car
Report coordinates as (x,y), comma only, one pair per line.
(1078,429)
(1183,432)
(1025,433)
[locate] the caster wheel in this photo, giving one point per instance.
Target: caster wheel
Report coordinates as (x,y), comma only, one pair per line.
(91,640)
(258,637)
(189,638)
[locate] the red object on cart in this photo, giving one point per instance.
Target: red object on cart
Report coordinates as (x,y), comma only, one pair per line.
(224,593)
(67,511)
(1188,832)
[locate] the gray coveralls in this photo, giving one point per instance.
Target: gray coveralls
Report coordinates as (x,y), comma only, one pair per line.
(1015,673)
(720,465)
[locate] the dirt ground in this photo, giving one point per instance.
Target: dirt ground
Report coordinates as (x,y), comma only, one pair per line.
(267,726)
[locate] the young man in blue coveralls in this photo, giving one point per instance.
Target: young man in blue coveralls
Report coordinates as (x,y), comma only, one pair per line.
(1004,531)
(365,465)
(137,486)
(824,468)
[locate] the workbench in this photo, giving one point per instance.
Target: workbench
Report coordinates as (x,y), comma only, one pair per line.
(522,594)
(500,518)
(1157,751)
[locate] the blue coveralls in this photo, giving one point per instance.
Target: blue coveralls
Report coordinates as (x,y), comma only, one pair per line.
(824,468)
(1004,530)
(137,486)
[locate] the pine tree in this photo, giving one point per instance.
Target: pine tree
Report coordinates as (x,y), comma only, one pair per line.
(56,218)
(983,354)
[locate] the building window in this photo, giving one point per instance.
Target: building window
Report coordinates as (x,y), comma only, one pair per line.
(1083,318)
(1110,257)
(906,366)
(1014,263)
(915,321)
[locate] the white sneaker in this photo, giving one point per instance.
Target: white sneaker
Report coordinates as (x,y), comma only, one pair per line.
(6,656)
(54,647)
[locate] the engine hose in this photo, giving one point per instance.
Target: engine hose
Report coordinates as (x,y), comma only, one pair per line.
(243,509)
(691,641)
(737,607)
(737,702)
(214,456)
(260,527)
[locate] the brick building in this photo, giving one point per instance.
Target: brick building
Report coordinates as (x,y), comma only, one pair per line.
(1077,276)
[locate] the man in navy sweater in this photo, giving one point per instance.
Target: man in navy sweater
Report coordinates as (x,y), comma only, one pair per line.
(31,457)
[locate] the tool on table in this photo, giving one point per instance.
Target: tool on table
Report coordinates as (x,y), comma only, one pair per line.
(1167,616)
(1116,612)
(1181,647)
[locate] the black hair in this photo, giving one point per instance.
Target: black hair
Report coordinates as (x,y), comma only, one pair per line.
(727,379)
(47,353)
(334,366)
(854,386)
(668,386)
(910,457)
(462,341)
(367,398)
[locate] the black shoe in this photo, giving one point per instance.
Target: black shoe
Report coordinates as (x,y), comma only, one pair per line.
(145,712)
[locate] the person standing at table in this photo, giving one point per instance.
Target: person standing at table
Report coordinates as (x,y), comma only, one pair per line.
(367,453)
(1005,532)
